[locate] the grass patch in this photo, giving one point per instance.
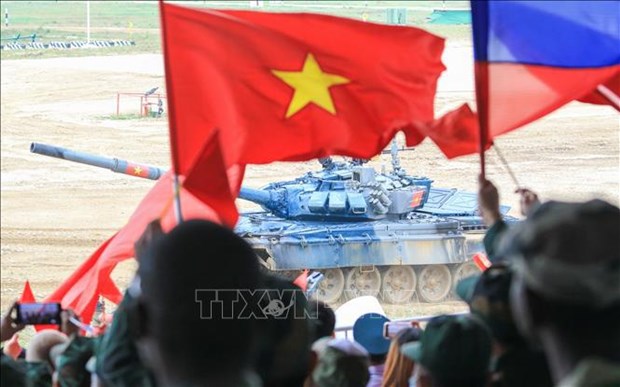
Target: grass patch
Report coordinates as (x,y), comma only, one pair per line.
(139,21)
(124,117)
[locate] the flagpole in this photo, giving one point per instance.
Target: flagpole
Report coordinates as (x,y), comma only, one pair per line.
(176,185)
(481,77)
(176,188)
(609,95)
(506,166)
(482,95)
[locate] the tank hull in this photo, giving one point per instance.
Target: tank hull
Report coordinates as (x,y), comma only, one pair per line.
(287,245)
(399,261)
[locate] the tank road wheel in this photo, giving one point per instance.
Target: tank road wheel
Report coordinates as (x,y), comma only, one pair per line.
(360,282)
(398,284)
(434,283)
(463,270)
(331,286)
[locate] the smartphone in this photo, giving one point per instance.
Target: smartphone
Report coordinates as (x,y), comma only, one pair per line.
(392,328)
(38,313)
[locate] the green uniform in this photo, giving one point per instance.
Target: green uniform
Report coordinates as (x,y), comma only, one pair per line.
(118,363)
(521,366)
(492,237)
(22,373)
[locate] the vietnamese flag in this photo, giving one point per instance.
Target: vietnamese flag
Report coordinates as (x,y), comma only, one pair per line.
(532,57)
(279,86)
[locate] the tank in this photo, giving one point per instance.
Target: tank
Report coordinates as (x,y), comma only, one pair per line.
(381,233)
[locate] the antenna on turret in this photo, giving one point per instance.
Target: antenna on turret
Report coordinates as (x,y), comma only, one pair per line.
(326,162)
(394,153)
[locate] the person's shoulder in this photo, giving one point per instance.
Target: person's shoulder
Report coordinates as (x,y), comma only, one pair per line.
(509,368)
(593,372)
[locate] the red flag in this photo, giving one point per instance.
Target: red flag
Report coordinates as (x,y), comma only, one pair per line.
(27,295)
(302,280)
(481,261)
(290,86)
(69,293)
(456,133)
(82,289)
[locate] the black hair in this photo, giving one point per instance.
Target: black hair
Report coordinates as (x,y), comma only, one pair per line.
(184,269)
(323,318)
(408,335)
(377,359)
(471,382)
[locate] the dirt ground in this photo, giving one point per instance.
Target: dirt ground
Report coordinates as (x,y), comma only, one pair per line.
(55,213)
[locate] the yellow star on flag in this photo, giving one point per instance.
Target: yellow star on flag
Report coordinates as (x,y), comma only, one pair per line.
(311,84)
(137,170)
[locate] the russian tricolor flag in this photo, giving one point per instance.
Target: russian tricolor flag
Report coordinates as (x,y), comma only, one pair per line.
(534,56)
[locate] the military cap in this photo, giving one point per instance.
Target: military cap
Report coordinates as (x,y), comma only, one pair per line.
(453,348)
(569,252)
(342,363)
(488,297)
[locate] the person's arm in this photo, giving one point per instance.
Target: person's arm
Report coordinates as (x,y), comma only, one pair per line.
(488,202)
(529,200)
(8,326)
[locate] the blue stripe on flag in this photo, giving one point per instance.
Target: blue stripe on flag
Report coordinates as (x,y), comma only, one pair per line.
(552,33)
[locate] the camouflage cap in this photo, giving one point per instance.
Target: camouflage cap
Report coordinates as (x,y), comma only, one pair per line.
(343,363)
(569,252)
(488,297)
(453,348)
(38,374)
(71,362)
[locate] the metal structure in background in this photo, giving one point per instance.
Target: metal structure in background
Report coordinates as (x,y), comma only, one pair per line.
(151,105)
(385,233)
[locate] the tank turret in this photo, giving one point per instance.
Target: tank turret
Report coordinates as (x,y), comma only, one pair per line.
(342,192)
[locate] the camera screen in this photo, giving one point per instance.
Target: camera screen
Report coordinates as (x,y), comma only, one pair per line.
(39,313)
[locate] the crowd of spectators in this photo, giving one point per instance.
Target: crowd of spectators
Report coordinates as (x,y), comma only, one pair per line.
(201,312)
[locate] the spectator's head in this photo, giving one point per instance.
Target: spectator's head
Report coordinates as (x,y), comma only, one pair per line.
(368,332)
(398,367)
(566,290)
(488,297)
(341,363)
(41,345)
(323,318)
(183,334)
(284,335)
(453,351)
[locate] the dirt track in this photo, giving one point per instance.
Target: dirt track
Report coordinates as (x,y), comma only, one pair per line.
(54,213)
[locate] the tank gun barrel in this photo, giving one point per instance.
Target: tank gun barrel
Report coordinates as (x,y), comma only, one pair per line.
(255,195)
(111,163)
(261,197)
(264,199)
